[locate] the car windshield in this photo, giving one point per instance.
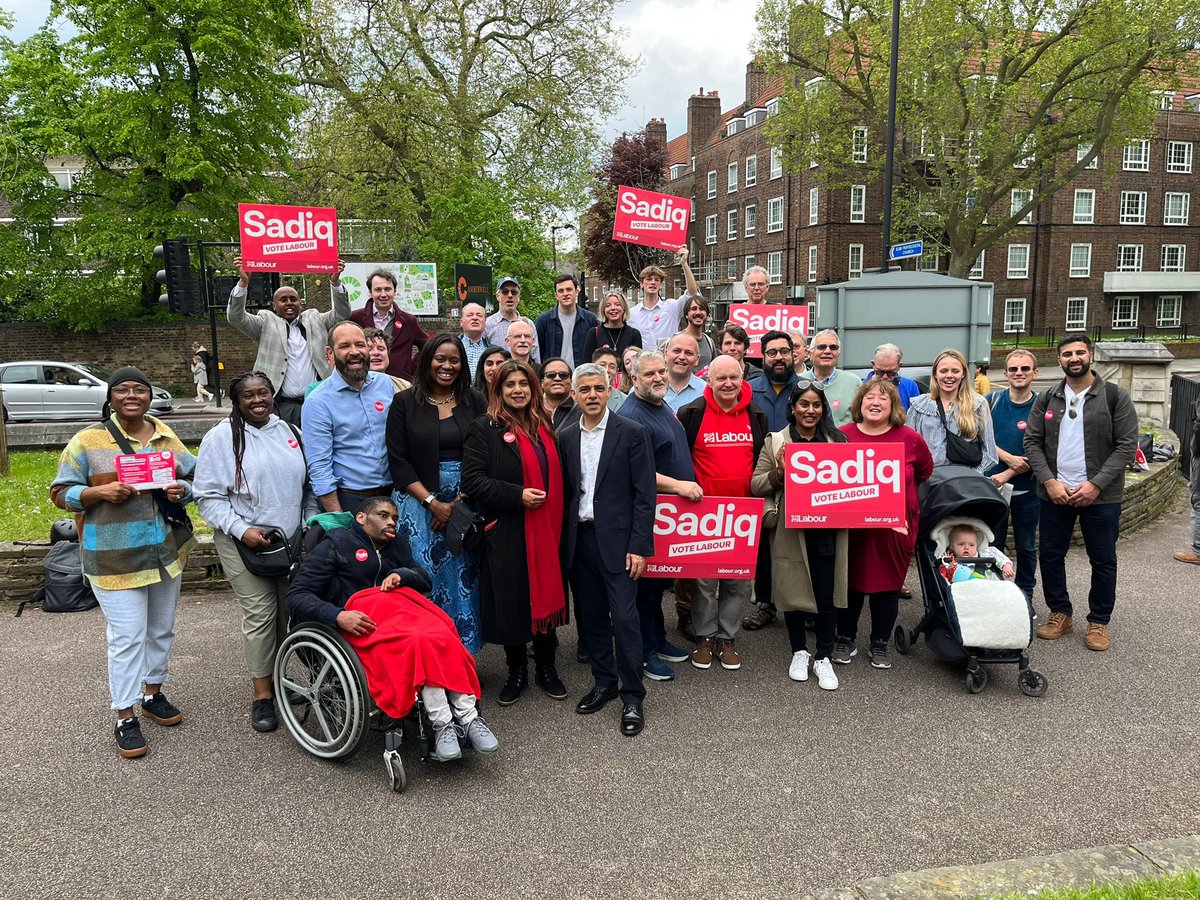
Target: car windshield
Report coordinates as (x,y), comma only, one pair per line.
(98,371)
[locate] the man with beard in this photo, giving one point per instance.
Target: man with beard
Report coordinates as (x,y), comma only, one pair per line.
(840,385)
(1080,436)
(771,392)
(291,343)
(695,317)
(344,425)
(508,296)
(673,474)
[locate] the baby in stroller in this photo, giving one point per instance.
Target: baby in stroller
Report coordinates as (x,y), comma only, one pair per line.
(970,555)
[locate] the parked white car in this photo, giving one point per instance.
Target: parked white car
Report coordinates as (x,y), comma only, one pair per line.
(43,389)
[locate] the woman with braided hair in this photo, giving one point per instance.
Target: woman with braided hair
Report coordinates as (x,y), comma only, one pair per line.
(251,479)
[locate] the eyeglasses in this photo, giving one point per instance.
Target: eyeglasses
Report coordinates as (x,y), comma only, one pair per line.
(1073,406)
(773,354)
(834,347)
(126,391)
(510,291)
(1015,369)
(556,376)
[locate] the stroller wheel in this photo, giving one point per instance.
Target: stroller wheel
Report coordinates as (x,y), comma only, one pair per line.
(903,642)
(977,680)
(1032,683)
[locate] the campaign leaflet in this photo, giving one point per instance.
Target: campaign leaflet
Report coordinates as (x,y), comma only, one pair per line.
(844,485)
(651,219)
(715,538)
(146,471)
(288,238)
(759,318)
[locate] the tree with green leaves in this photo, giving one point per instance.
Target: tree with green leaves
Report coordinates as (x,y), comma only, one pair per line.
(177,111)
(999,105)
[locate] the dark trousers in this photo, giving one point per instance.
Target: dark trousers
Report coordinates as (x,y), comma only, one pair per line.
(885,607)
(762,571)
(649,606)
(1099,523)
(608,613)
(543,651)
(820,570)
(1023,513)
(351,499)
(288,409)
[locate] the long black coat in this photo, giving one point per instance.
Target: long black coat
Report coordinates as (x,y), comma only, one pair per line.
(493,478)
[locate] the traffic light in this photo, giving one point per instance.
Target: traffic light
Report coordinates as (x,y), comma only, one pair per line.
(183,294)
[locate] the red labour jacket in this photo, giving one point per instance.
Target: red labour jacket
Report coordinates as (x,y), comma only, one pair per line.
(725,445)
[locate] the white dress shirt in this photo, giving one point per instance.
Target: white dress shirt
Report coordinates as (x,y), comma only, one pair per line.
(300,370)
(590,443)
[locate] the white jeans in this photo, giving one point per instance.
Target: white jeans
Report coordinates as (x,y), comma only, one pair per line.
(141,628)
(438,702)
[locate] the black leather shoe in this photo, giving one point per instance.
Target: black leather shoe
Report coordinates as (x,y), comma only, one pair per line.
(596,699)
(633,720)
(262,715)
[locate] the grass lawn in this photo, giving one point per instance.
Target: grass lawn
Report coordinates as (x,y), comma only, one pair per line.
(1174,887)
(25,508)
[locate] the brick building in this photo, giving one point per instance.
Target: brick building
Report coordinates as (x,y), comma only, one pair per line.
(1118,255)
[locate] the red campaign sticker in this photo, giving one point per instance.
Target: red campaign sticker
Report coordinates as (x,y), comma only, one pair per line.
(656,318)
(509,437)
(1021,426)
(1049,414)
(837,404)
(378,406)
(360,555)
(293,443)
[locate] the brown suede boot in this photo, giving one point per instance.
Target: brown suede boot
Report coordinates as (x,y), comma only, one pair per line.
(1059,624)
(1097,636)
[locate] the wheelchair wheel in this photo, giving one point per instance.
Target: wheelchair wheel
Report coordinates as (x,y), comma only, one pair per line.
(327,704)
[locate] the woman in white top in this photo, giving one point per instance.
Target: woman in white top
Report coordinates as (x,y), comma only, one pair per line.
(953,406)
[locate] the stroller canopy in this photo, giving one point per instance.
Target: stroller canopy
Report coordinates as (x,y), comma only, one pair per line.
(959,491)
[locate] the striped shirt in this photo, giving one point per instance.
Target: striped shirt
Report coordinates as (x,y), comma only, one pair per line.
(122,545)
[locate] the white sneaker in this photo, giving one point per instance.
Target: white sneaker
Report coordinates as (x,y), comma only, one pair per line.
(798,670)
(826,680)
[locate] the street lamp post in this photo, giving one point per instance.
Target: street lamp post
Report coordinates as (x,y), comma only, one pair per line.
(554,229)
(890,153)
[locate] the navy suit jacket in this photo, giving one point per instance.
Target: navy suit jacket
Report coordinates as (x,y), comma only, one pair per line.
(625,491)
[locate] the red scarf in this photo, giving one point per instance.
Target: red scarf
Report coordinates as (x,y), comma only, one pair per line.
(543,532)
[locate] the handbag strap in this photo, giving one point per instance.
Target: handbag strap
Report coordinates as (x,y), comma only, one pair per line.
(160,499)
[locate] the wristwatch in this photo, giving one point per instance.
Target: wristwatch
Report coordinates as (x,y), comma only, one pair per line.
(428,501)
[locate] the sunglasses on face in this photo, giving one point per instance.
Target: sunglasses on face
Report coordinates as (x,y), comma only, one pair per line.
(509,291)
(557,376)
(834,347)
(884,373)
(1016,369)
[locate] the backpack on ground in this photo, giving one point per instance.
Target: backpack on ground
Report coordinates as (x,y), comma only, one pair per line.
(65,589)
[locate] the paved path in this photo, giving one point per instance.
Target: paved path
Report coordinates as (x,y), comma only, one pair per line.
(743,784)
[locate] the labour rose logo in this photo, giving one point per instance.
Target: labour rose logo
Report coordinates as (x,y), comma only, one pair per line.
(360,555)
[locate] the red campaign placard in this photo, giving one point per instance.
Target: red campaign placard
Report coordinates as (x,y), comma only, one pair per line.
(759,318)
(146,471)
(288,238)
(844,485)
(652,219)
(715,538)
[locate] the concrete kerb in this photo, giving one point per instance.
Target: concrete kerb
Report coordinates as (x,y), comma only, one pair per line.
(1112,864)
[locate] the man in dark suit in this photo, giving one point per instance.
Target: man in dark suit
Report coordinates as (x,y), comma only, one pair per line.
(608,468)
(404,333)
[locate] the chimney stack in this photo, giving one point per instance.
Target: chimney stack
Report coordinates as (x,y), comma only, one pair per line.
(656,132)
(704,117)
(756,81)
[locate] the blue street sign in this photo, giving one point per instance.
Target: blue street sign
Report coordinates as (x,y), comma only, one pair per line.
(902,251)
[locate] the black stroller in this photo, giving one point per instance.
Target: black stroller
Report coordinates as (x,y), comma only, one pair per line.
(977,622)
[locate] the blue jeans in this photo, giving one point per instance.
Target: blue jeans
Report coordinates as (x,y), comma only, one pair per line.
(1023,512)
(1099,524)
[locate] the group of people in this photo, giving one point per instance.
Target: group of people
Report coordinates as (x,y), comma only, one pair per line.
(553,448)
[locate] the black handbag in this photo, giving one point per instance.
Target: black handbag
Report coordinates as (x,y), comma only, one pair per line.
(464,529)
(277,560)
(174,513)
(959,450)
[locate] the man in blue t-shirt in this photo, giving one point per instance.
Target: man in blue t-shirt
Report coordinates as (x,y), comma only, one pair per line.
(1010,412)
(673,474)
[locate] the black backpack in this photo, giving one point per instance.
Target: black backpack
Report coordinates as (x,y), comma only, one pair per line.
(65,589)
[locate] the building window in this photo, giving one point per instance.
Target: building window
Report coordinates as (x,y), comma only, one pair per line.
(860,144)
(750,223)
(1133,207)
(1170,310)
(812,263)
(775,267)
(1081,260)
(712,184)
(858,203)
(977,269)
(751,171)
(1084,150)
(1179,157)
(678,170)
(775,214)
(1085,207)
(710,230)
(1076,314)
(1014,314)
(692,215)
(929,262)
(1125,312)
(731,224)
(1027,154)
(731,179)
(1175,208)
(1173,257)
(1137,157)
(1129,257)
(1020,197)
(1166,99)
(731,268)
(814,205)
(855,263)
(1018,260)
(747,263)
(773,107)
(776,163)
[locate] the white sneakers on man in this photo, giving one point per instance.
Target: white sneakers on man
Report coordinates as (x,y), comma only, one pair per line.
(826,680)
(798,670)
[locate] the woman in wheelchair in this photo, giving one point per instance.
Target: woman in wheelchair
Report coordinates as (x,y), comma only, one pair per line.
(363,580)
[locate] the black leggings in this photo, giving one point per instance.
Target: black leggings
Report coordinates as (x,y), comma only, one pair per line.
(543,651)
(821,573)
(885,608)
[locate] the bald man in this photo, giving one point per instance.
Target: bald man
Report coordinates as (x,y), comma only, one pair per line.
(291,342)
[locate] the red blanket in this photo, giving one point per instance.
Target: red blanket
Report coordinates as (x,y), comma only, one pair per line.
(414,645)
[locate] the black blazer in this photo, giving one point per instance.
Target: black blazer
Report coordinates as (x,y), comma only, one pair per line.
(625,491)
(412,436)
